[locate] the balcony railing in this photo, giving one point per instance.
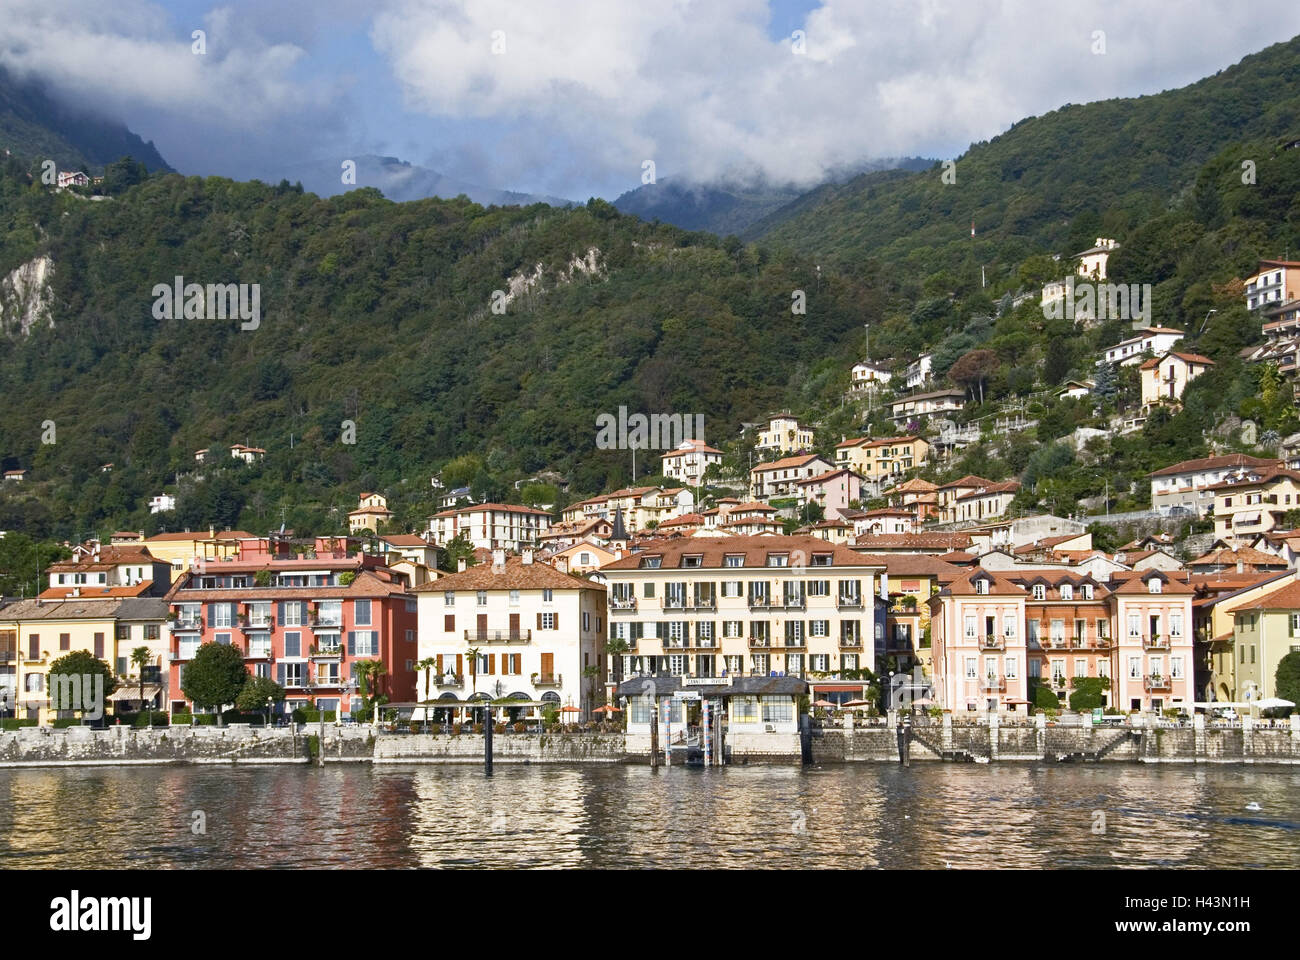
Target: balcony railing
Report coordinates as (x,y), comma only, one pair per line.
(993,684)
(1155,643)
(708,643)
(622,604)
(449,680)
(498,636)
(330,650)
(548,680)
(757,602)
(1157,683)
(796,603)
(796,642)
(1101,643)
(258,651)
(760,641)
(992,641)
(330,681)
(185,624)
(852,643)
(704,603)
(848,603)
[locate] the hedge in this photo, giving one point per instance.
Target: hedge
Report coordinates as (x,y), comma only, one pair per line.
(13,723)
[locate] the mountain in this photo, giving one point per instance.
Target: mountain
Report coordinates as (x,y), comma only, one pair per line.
(1049,183)
(36,125)
(400,180)
(728,207)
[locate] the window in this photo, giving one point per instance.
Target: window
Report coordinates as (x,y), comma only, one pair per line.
(1040,592)
(221,614)
(981,586)
(1103,668)
(733,588)
(733,628)
(1176,624)
(1011,667)
(1154,584)
(1176,668)
(1135,624)
(820,662)
(1134,668)
(514,598)
(819,628)
(481,597)
(151,631)
(778,560)
(547,621)
(449,598)
(734,560)
(778,710)
(1009,625)
(971,626)
(692,561)
(1087,591)
(819,588)
(972,668)
(744,709)
(651,563)
(123,631)
(586,620)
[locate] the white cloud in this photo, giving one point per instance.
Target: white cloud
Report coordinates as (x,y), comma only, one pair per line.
(702,89)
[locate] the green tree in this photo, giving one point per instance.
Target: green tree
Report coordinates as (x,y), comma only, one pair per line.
(257,694)
(453,551)
(215,676)
(80,664)
(140,658)
(1287,678)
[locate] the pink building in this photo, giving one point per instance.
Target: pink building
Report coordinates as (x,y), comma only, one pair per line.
(1152,611)
(978,638)
(833,491)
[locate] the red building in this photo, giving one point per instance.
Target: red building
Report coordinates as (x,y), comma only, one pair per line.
(304,619)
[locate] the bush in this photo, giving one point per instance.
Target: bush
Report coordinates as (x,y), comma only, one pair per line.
(156,718)
(478,728)
(13,723)
(520,727)
(1045,699)
(415,726)
(1087,693)
(182,719)
(498,728)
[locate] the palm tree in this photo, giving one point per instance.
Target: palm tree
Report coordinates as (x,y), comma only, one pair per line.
(369,672)
(473,671)
(616,648)
(140,658)
(591,672)
(427,664)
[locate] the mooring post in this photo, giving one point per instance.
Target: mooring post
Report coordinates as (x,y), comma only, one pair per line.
(487,740)
(654,732)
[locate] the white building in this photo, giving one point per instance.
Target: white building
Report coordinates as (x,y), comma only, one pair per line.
(1185,487)
(866,375)
(784,434)
(534,628)
(688,462)
(1092,262)
(491,525)
(162,503)
(780,478)
(918,371)
(1275,282)
(1157,340)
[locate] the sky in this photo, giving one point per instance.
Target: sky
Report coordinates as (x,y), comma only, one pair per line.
(572,98)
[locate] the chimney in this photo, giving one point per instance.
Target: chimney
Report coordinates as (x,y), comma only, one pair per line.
(461,564)
(561,564)
(212,532)
(528,554)
(1241,566)
(498,560)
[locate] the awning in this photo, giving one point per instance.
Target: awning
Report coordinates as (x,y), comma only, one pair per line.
(131,691)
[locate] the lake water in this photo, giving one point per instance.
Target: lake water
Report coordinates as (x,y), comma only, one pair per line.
(619,816)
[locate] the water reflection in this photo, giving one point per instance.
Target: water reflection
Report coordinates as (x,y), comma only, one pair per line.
(929,816)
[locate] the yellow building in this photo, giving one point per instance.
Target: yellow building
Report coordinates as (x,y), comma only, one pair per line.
(1215,624)
(1264,631)
(1254,500)
(784,435)
(876,459)
(1164,378)
(35,633)
(372,510)
(910,581)
(181,550)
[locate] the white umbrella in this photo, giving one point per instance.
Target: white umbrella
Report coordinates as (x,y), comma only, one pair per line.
(1272,703)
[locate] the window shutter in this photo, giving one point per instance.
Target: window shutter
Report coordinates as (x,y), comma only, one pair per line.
(279,674)
(460,665)
(555,621)
(492,663)
(279,613)
(439,666)
(539,620)
(352,642)
(449,623)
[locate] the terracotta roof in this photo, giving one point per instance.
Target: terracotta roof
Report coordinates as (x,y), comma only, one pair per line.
(877,441)
(77,609)
(753,506)
(365,510)
(1138,584)
(515,575)
(1265,475)
(916,484)
(1185,357)
(1212,463)
(914,565)
(1000,584)
(1004,486)
(368,583)
(823,477)
(685,520)
(1287,598)
(788,463)
(697,446)
(755,549)
(199,535)
(949,541)
(1248,555)
(970,480)
(93,591)
(1047,542)
(404,540)
(958,556)
(496,507)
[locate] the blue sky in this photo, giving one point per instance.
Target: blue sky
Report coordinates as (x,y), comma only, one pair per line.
(586,91)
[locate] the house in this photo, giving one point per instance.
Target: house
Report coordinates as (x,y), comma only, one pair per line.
(1274,282)
(927,404)
(185,550)
(1076,389)
(491,525)
(1092,262)
(834,531)
(200,455)
(408,547)
(513,628)
(833,491)
(582,558)
(1068,631)
(744,606)
(934,544)
(96,571)
(1164,378)
(986,502)
(72,178)
(1254,500)
(882,458)
(372,510)
(948,493)
(1217,596)
(248,454)
(784,435)
(1155,340)
(304,621)
(921,496)
(910,581)
(560,535)
(162,503)
(15,476)
(918,372)
(1264,631)
(750,519)
(886,520)
(980,654)
(780,478)
(35,633)
(1184,488)
(866,375)
(1241,560)
(689,461)
(1152,613)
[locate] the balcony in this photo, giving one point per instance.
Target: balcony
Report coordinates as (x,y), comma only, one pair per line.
(1155,643)
(498,636)
(707,643)
(1101,643)
(851,643)
(449,680)
(760,642)
(186,651)
(795,603)
(1153,684)
(187,625)
(258,651)
(760,603)
(327,651)
(548,680)
(848,603)
(795,643)
(992,641)
(332,682)
(622,604)
(993,684)
(704,603)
